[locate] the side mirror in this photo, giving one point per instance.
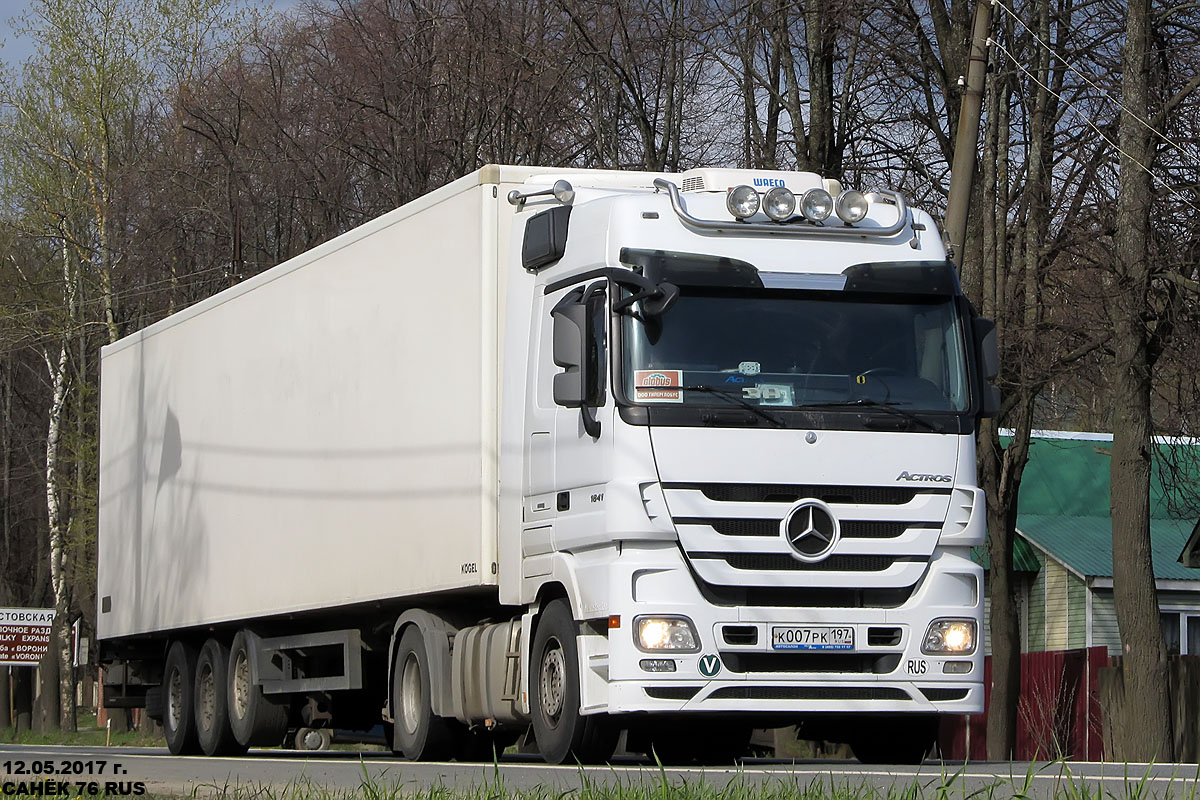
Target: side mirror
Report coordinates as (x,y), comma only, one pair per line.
(570,327)
(990,406)
(579,349)
(989,348)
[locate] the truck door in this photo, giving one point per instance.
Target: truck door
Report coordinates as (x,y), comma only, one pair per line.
(569,419)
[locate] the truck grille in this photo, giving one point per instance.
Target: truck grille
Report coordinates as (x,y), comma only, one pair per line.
(730,534)
(770,527)
(861,663)
(809,693)
(784,562)
(790,493)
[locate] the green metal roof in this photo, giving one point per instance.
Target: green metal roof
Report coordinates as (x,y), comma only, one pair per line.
(1064,506)
(1070,477)
(1084,544)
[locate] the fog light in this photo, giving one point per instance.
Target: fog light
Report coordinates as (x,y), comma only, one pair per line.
(665,633)
(852,206)
(956,667)
(949,636)
(816,205)
(742,201)
(779,204)
(657,664)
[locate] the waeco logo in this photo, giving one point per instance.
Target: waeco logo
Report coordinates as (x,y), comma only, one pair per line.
(769,182)
(656,379)
(922,476)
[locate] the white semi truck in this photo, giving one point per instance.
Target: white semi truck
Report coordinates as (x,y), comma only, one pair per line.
(568,451)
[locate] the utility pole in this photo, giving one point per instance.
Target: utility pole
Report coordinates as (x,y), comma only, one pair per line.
(963,169)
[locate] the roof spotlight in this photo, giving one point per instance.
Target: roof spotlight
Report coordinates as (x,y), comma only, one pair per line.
(851,206)
(816,205)
(779,203)
(742,201)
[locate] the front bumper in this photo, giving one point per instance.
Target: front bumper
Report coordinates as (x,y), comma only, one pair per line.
(885,672)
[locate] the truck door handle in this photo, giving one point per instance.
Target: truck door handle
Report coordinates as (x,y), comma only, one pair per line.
(564,501)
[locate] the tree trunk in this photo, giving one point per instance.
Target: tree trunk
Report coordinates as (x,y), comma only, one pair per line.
(46,717)
(6,717)
(1145,732)
(22,681)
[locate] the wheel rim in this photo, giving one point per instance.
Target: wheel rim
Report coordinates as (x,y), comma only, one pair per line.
(241,685)
(175,701)
(206,707)
(552,681)
(410,694)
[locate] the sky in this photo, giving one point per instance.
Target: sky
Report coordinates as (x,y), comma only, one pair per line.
(17,48)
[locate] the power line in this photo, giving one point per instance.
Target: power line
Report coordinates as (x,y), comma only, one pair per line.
(1194,155)
(1170,190)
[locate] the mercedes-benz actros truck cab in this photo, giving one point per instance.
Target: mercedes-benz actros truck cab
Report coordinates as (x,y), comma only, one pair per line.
(560,453)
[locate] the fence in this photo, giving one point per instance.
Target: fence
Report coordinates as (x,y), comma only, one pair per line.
(1058,711)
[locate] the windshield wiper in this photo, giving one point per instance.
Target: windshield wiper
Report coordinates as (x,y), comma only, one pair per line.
(864,402)
(727,394)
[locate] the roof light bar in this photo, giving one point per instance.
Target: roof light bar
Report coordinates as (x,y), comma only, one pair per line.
(742,225)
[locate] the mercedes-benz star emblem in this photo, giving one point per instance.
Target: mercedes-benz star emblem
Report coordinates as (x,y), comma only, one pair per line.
(811,530)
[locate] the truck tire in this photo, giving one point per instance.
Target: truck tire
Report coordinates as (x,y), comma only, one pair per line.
(563,734)
(418,734)
(211,699)
(179,677)
(256,719)
(898,741)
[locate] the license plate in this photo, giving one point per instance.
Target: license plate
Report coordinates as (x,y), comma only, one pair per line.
(808,637)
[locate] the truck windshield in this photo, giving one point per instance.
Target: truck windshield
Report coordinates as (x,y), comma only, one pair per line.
(792,349)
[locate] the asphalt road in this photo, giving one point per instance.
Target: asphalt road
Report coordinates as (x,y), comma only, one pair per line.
(163,773)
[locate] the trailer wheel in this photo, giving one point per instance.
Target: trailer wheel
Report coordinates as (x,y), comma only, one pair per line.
(897,742)
(418,734)
(256,719)
(563,734)
(212,701)
(179,676)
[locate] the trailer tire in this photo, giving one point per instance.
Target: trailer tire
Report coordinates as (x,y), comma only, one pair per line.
(418,734)
(211,697)
(563,734)
(256,719)
(179,722)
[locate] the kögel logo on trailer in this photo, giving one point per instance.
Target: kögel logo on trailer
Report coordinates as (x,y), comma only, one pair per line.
(811,530)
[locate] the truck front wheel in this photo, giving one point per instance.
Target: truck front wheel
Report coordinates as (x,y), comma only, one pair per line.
(179,675)
(418,734)
(563,734)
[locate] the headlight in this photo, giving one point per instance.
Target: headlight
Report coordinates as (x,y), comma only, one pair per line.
(665,633)
(816,205)
(955,636)
(779,203)
(742,201)
(851,206)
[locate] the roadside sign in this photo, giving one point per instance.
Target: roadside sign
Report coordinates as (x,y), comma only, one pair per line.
(24,635)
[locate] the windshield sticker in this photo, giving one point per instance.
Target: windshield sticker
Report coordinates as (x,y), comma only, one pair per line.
(647,385)
(749,368)
(771,394)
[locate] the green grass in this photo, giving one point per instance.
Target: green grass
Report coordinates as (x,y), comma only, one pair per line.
(87,735)
(945,785)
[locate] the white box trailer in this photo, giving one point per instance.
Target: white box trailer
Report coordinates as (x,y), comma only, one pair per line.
(561,451)
(322,435)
